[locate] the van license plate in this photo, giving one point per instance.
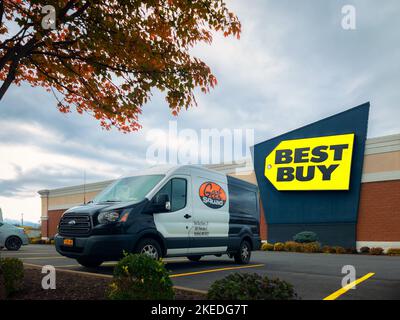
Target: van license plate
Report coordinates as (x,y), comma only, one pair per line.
(68,242)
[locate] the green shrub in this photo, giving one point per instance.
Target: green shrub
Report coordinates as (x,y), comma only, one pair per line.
(340,250)
(327,249)
(13,274)
(139,277)
(246,286)
(2,286)
(279,246)
(306,237)
(351,251)
(312,247)
(35,241)
(364,250)
(293,246)
(393,251)
(376,251)
(267,247)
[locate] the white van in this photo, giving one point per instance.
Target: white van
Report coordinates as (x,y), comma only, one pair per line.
(175,211)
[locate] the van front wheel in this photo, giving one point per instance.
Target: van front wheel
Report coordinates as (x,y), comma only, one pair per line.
(149,247)
(244,253)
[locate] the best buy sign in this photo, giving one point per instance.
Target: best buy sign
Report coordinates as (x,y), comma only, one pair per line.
(321,163)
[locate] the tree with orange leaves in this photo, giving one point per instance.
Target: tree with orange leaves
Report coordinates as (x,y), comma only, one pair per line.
(105,57)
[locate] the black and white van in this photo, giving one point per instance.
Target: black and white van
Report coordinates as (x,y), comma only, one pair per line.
(175,211)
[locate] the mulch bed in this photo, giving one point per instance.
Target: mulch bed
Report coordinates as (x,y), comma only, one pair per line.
(73,286)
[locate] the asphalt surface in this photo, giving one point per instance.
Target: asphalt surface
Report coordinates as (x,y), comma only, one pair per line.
(314,276)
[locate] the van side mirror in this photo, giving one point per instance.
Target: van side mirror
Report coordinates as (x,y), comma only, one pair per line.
(161,203)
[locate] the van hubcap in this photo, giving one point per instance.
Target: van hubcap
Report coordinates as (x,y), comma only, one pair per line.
(245,252)
(150,251)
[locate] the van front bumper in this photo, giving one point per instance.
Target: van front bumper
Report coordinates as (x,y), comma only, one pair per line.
(104,247)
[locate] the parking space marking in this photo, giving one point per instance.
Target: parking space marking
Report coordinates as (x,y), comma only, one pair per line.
(68,266)
(213,270)
(44,258)
(107,264)
(21,253)
(346,288)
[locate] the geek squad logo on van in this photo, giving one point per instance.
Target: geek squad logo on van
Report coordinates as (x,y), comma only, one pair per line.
(321,163)
(212,195)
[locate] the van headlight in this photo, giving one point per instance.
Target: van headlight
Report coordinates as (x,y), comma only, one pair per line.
(107,217)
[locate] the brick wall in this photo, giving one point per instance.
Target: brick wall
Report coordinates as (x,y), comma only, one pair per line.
(379,211)
(44,228)
(378,214)
(54,219)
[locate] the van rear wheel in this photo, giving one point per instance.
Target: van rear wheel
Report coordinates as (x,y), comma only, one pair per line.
(194,258)
(89,263)
(244,253)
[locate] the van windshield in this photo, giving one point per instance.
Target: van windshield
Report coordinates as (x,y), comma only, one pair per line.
(128,189)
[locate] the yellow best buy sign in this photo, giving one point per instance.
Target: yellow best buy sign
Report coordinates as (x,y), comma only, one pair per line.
(321,163)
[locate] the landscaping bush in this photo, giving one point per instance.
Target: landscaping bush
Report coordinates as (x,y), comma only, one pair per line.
(246,286)
(306,237)
(267,247)
(36,241)
(393,251)
(2,286)
(139,277)
(312,247)
(364,250)
(327,249)
(13,274)
(279,246)
(340,250)
(376,251)
(351,251)
(293,246)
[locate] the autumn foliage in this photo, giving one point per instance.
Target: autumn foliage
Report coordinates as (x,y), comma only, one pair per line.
(105,57)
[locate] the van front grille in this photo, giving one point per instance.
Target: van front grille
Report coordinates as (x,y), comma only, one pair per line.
(75,225)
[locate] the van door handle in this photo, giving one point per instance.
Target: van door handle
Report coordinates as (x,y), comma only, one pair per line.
(187,216)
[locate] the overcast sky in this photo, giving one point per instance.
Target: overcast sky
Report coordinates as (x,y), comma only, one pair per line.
(293,65)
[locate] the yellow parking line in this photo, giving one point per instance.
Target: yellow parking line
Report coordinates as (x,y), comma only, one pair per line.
(68,266)
(43,258)
(213,270)
(78,265)
(174,261)
(346,288)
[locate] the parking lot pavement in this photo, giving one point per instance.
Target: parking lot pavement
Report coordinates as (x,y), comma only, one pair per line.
(314,276)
